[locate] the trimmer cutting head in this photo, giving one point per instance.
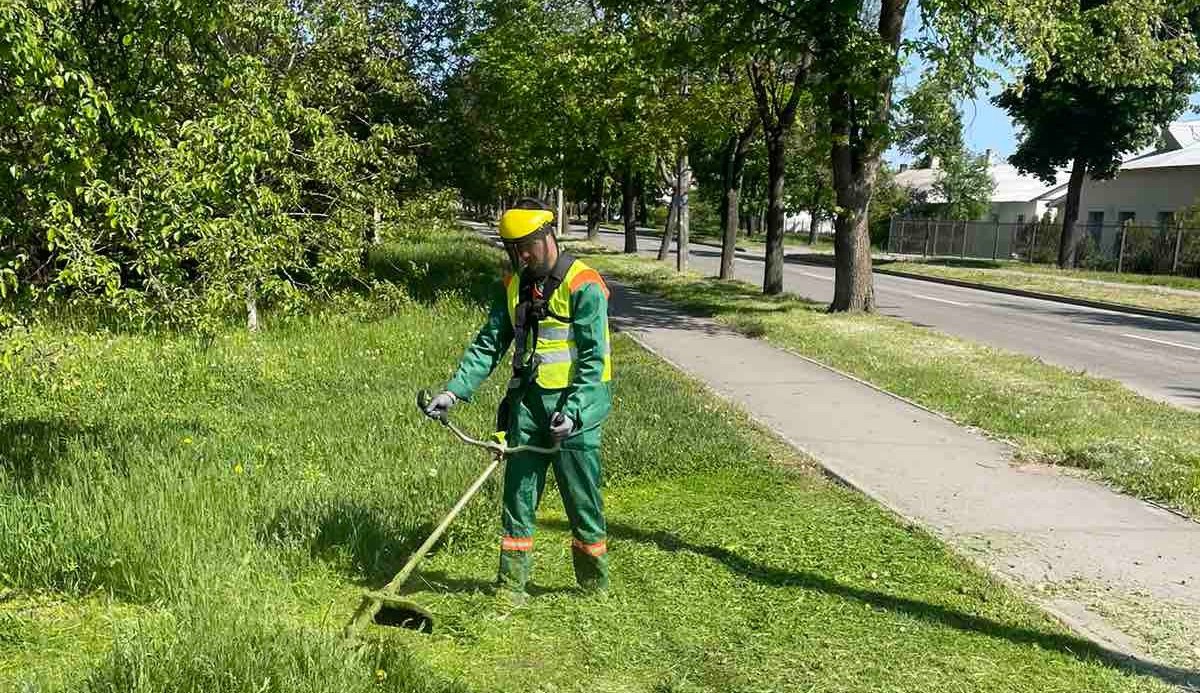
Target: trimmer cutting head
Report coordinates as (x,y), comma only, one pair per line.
(402,613)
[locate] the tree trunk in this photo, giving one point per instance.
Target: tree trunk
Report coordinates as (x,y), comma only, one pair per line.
(685,184)
(855,156)
(734,163)
(251,308)
(853,285)
(643,217)
(729,210)
(664,246)
(773,275)
(1068,241)
(560,225)
(629,208)
(814,215)
(594,207)
(853,288)
(371,240)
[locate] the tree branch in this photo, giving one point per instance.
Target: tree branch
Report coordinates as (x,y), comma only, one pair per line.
(788,114)
(760,95)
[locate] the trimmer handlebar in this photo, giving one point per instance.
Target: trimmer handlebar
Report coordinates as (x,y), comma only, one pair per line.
(498,448)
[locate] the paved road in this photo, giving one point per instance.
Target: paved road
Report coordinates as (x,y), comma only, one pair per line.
(1157,358)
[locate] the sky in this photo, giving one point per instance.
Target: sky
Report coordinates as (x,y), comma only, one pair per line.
(988,127)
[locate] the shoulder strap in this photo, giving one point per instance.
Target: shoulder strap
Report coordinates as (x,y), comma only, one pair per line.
(558,274)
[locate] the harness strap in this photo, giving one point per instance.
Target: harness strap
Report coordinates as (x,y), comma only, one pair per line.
(533,305)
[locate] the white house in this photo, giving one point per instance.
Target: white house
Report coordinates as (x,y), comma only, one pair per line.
(1016,198)
(801,222)
(1020,198)
(1150,188)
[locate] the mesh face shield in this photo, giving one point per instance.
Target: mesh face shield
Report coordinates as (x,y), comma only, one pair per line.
(513,249)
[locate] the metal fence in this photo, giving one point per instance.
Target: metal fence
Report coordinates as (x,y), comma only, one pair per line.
(1134,248)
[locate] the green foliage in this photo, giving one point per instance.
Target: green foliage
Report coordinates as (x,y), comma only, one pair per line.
(930,124)
(965,185)
(191,154)
(931,129)
(1096,119)
(552,93)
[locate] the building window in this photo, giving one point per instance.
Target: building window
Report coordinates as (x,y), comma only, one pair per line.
(1166,220)
(1126,217)
(1095,225)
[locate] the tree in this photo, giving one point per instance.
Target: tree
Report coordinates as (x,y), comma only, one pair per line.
(555,94)
(859,96)
(1068,119)
(809,179)
(778,87)
(733,166)
(184,159)
(850,51)
(931,129)
(966,185)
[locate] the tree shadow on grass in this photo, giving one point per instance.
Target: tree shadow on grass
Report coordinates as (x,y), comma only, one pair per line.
(443,582)
(376,549)
(36,452)
(932,613)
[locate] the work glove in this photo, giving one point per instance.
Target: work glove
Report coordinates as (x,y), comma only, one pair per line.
(439,405)
(561,426)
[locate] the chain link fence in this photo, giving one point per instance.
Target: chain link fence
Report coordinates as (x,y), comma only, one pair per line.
(1109,247)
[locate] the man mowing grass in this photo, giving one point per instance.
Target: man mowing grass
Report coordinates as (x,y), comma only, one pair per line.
(554,310)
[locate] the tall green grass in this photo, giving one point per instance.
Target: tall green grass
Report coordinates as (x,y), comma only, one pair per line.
(156,469)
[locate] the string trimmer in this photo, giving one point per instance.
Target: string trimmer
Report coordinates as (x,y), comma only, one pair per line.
(385,607)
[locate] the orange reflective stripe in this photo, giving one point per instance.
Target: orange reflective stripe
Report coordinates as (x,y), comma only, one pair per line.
(589,275)
(517,544)
(598,549)
(507,280)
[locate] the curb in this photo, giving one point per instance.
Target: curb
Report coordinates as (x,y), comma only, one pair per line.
(1056,298)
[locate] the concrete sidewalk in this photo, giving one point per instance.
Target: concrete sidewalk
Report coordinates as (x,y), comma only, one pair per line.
(1117,570)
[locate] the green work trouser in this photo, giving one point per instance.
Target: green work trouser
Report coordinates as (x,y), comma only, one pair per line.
(577,474)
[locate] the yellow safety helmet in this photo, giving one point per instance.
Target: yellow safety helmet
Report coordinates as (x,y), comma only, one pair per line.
(517,224)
